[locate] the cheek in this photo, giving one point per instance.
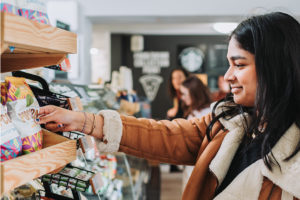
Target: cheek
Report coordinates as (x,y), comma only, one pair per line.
(189,101)
(250,84)
(175,84)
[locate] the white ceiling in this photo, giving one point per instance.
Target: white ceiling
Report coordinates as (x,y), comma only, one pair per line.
(182,8)
(165,16)
(192,17)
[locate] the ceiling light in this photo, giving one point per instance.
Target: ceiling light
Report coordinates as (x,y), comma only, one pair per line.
(225,27)
(94,51)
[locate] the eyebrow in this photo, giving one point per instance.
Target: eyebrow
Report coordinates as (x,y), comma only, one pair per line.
(237,58)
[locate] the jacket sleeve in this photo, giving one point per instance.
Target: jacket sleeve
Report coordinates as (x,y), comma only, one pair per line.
(176,141)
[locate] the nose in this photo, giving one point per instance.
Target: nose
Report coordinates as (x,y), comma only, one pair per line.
(229,75)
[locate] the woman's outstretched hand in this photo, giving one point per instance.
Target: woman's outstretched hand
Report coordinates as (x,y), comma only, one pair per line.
(60,119)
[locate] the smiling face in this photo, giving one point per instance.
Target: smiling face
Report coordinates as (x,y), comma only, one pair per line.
(177,78)
(241,74)
(185,95)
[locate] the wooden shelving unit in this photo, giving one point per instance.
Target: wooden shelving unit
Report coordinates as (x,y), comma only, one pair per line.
(57,152)
(35,45)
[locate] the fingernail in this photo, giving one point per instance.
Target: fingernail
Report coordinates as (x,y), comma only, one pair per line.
(59,125)
(37,120)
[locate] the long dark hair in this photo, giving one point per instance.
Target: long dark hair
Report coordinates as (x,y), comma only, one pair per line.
(274,40)
(171,88)
(200,95)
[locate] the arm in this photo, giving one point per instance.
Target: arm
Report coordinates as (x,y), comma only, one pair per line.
(172,111)
(176,141)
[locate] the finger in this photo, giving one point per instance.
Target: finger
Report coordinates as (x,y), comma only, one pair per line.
(45,110)
(47,118)
(54,127)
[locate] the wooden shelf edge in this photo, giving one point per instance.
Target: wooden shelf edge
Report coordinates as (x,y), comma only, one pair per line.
(25,168)
(15,62)
(23,33)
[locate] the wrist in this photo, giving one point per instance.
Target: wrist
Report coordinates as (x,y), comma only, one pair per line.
(97,129)
(80,121)
(90,124)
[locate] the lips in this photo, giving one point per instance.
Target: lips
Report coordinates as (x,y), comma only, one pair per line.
(235,89)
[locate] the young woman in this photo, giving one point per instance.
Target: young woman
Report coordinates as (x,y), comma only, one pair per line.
(196,99)
(177,76)
(248,148)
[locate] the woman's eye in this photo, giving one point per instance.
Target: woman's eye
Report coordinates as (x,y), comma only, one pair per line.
(239,65)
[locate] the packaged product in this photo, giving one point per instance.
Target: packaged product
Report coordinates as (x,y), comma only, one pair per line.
(9,6)
(23,109)
(10,142)
(84,175)
(3,93)
(26,191)
(62,190)
(34,10)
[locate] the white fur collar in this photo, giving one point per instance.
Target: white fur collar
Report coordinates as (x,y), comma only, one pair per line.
(289,176)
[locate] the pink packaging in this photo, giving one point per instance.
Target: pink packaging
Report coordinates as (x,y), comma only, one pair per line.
(34,10)
(22,109)
(10,143)
(9,6)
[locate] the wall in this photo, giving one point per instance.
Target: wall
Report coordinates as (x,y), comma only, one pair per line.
(72,12)
(185,8)
(121,55)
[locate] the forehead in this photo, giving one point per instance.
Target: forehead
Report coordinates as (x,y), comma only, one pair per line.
(177,73)
(235,50)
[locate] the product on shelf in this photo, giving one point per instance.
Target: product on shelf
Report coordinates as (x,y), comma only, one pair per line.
(10,143)
(9,6)
(75,104)
(86,143)
(23,108)
(30,9)
(70,177)
(97,183)
(34,10)
(60,190)
(25,192)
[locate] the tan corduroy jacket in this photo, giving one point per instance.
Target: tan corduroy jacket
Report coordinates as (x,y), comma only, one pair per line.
(184,142)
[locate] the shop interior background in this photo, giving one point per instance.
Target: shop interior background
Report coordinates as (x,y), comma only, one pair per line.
(105,29)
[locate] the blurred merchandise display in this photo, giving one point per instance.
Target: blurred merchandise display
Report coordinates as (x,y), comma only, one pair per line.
(93,175)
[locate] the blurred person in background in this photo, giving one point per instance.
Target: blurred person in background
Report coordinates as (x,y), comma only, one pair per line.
(195,96)
(177,76)
(196,99)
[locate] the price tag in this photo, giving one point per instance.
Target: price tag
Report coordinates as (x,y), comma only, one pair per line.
(86,143)
(75,104)
(96,182)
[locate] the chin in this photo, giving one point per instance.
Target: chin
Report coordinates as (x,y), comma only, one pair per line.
(239,100)
(242,101)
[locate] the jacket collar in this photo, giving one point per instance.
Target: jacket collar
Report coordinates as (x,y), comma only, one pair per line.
(287,178)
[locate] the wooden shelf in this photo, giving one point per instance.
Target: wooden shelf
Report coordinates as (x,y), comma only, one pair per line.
(35,44)
(57,152)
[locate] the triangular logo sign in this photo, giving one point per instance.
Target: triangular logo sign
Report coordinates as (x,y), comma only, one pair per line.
(151,85)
